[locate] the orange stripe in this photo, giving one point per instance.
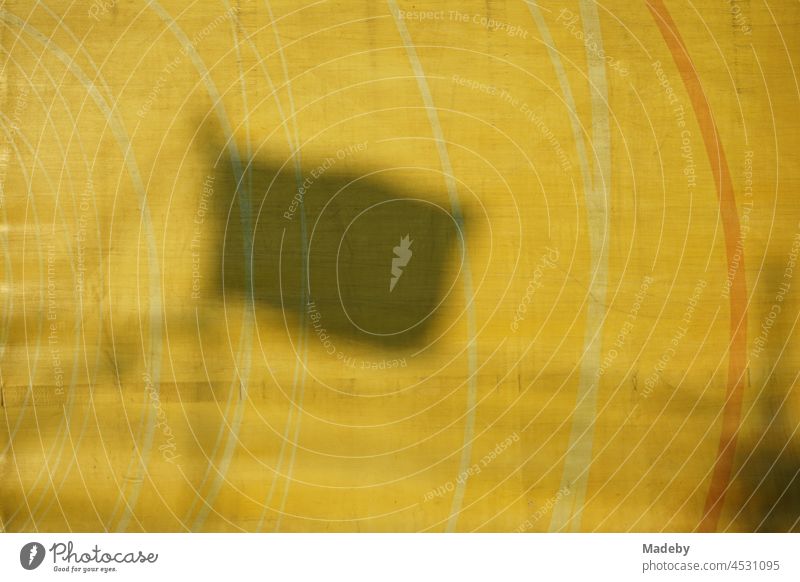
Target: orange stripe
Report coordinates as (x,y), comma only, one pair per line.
(738,294)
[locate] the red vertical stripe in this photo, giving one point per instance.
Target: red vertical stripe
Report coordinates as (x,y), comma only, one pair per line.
(737,356)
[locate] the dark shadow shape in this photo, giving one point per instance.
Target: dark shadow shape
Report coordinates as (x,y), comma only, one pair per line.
(775,503)
(770,477)
(354,226)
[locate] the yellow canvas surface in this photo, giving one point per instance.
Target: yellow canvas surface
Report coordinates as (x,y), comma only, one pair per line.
(391,266)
